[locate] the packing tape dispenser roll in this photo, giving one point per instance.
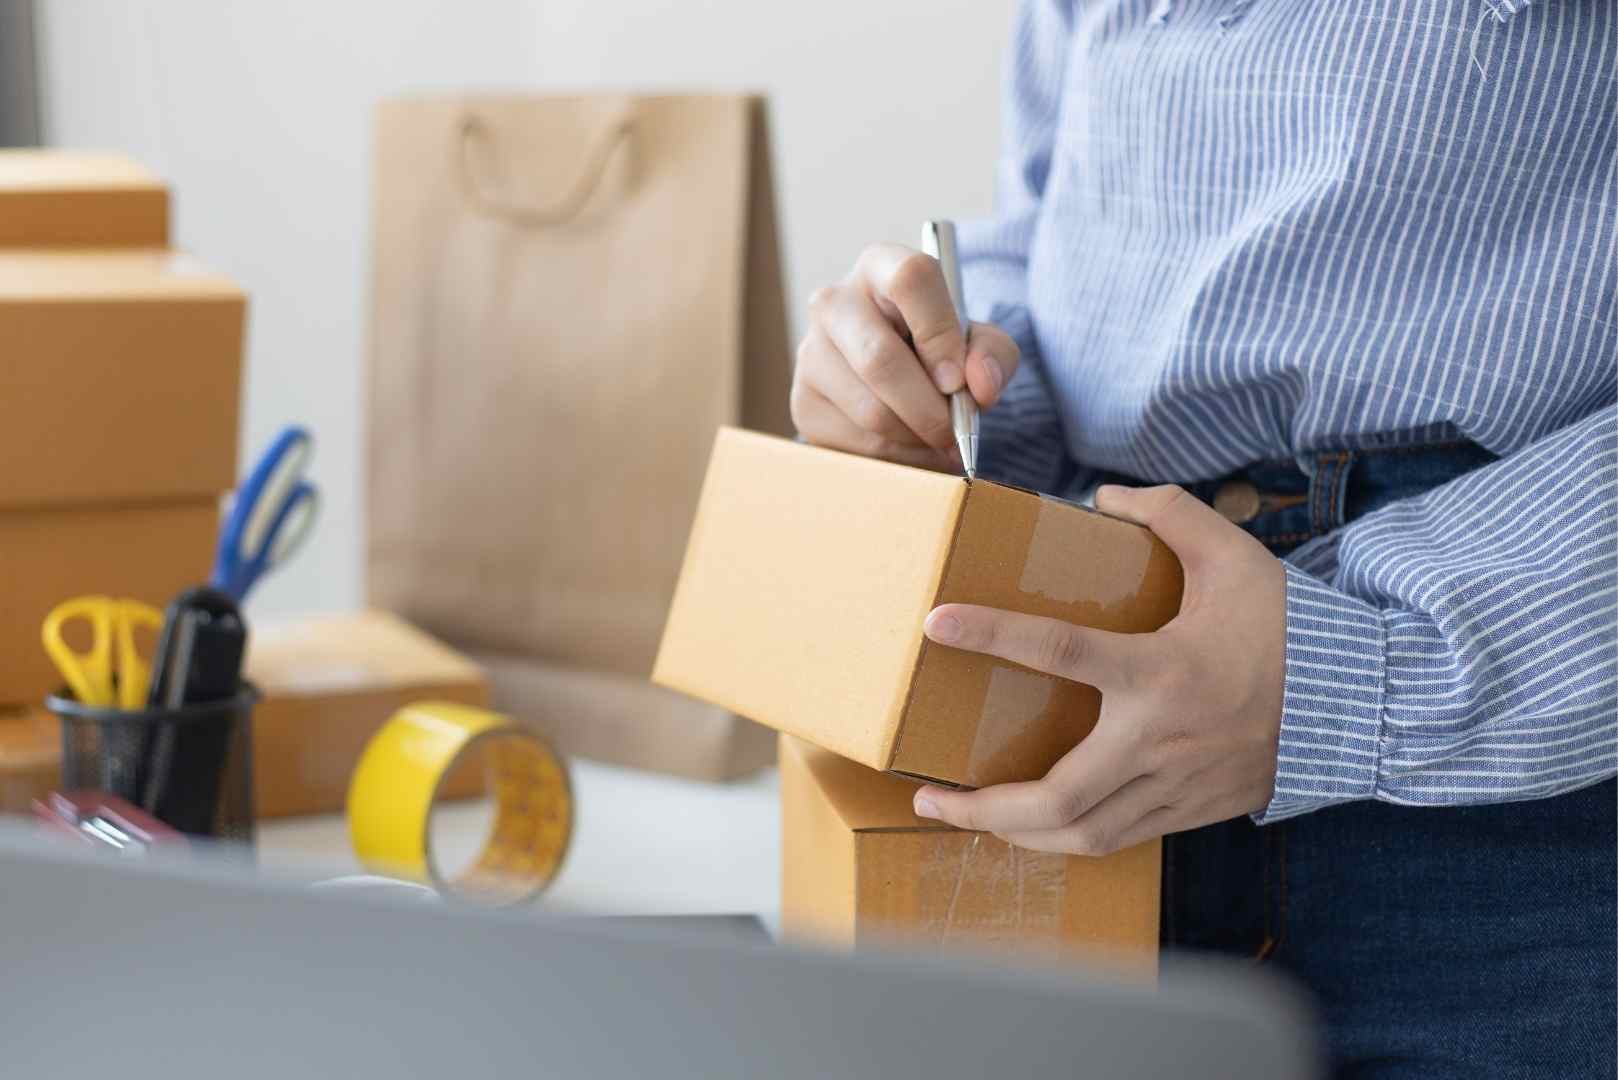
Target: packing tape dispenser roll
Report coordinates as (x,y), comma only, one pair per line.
(396,783)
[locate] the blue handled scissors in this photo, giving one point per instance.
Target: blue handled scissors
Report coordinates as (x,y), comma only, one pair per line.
(271,516)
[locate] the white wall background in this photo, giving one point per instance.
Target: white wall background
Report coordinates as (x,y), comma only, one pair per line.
(257,112)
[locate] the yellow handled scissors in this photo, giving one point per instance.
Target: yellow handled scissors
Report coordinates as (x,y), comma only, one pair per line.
(111,672)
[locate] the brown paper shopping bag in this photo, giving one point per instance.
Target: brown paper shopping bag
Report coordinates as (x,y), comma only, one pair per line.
(569,295)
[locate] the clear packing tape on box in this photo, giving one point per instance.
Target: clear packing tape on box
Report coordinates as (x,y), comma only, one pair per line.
(986,889)
(858,867)
(808,577)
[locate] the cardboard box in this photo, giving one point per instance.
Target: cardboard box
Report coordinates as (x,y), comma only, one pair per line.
(329,682)
(859,868)
(626,721)
(147,552)
(121,378)
(808,576)
(74,198)
(30,756)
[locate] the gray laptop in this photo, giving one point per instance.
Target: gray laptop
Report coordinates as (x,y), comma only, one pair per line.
(112,968)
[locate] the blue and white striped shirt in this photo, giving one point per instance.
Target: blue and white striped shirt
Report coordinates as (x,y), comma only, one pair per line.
(1229,232)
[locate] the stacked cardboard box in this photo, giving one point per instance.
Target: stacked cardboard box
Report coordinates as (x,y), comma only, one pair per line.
(858,867)
(119,396)
(800,605)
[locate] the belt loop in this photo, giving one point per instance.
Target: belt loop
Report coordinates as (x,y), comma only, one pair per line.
(1328,490)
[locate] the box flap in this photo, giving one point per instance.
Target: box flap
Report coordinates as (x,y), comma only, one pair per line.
(359,652)
(40,274)
(864,798)
(806,580)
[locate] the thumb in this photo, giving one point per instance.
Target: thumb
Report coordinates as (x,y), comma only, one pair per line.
(1192,529)
(991,361)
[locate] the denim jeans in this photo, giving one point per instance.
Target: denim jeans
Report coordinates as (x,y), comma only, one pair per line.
(1465,942)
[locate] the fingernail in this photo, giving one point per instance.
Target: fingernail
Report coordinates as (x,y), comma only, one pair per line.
(925,807)
(943,628)
(948,377)
(997,377)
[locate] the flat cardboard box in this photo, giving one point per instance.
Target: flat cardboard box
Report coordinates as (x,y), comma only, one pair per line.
(77,198)
(329,682)
(626,721)
(146,552)
(809,574)
(859,868)
(30,756)
(121,378)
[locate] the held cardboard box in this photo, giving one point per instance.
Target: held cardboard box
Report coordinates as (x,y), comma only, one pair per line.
(626,721)
(146,552)
(858,867)
(328,683)
(121,377)
(75,198)
(30,756)
(808,576)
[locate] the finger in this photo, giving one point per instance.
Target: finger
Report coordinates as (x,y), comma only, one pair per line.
(1121,820)
(883,362)
(823,368)
(914,284)
(822,424)
(991,361)
(1085,776)
(1098,657)
(1191,528)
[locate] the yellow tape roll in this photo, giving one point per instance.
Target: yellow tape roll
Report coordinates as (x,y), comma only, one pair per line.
(391,796)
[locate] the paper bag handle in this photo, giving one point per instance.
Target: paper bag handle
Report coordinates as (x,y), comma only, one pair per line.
(559,212)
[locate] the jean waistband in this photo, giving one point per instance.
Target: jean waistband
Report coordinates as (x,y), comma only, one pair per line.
(1288,503)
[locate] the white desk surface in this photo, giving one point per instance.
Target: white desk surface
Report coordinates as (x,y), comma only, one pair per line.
(643,844)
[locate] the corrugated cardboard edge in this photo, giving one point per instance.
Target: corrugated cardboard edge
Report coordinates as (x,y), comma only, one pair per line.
(901,704)
(626,721)
(923,642)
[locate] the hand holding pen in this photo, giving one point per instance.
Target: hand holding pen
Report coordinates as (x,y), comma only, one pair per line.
(885,351)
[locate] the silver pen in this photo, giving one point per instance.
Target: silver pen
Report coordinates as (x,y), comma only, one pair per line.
(938,240)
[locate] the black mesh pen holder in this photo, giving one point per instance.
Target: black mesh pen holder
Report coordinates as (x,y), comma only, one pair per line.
(191,766)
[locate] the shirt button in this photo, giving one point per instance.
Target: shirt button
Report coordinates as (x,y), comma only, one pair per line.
(1237,502)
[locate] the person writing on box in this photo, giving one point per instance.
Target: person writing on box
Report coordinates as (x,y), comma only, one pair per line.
(1340,279)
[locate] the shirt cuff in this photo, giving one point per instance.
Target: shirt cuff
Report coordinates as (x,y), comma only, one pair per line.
(1331,712)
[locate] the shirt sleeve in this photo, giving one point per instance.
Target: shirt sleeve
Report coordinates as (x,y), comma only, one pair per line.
(1020,438)
(1460,647)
